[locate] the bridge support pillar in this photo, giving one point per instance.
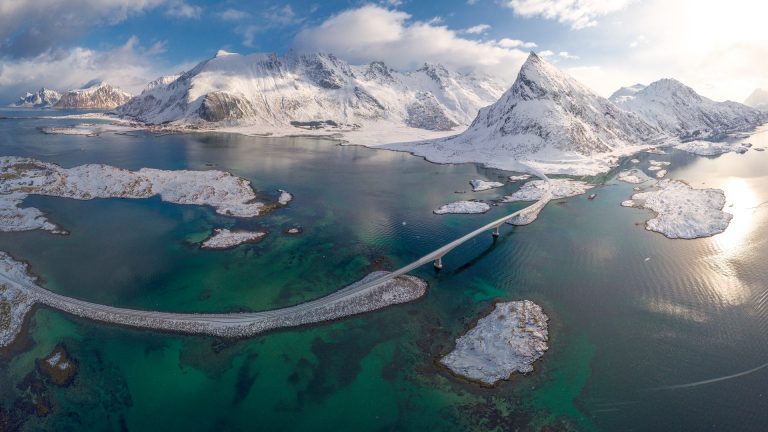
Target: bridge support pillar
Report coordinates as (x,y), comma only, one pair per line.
(439,263)
(496,232)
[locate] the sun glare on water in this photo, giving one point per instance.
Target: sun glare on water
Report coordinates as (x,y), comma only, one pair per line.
(741,202)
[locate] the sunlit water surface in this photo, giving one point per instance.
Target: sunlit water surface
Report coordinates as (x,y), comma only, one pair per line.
(633,314)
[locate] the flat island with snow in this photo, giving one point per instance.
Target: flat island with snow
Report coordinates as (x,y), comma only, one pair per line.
(682,211)
(228,194)
(463,207)
(506,341)
(223,238)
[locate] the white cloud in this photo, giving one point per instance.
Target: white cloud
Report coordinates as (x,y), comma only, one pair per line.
(181,9)
(129,66)
(718,48)
(233,15)
(515,43)
(566,55)
(478,29)
(271,18)
(374,33)
(578,13)
(30,27)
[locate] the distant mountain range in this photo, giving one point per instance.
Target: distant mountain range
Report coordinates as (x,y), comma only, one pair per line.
(94,95)
(679,111)
(550,121)
(313,90)
(546,119)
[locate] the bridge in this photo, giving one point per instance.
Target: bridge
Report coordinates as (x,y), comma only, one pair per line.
(375,291)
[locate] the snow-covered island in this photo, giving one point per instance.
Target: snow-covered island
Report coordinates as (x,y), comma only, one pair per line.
(508,340)
(633,176)
(227,194)
(560,188)
(682,211)
(712,148)
(482,185)
(223,238)
(463,207)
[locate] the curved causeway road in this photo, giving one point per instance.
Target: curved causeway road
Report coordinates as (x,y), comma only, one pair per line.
(375,291)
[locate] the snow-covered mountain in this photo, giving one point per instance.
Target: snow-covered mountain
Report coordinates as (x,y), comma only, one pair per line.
(96,95)
(678,110)
(626,92)
(758,99)
(548,121)
(313,90)
(42,98)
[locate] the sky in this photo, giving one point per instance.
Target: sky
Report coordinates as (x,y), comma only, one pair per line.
(717,47)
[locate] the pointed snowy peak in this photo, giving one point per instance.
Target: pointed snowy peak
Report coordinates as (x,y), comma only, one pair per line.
(223,53)
(546,119)
(678,110)
(758,99)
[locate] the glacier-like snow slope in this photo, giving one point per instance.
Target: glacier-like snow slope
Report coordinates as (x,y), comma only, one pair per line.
(43,98)
(678,110)
(98,95)
(312,91)
(546,120)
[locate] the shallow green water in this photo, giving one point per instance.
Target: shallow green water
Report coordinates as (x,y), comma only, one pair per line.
(631,311)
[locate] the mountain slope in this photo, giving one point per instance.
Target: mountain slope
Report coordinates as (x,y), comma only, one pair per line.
(312,90)
(678,110)
(546,120)
(42,98)
(758,99)
(96,96)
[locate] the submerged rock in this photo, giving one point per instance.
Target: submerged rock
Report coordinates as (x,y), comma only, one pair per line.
(508,340)
(58,366)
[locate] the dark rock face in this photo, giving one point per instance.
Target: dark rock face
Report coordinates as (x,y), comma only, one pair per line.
(221,106)
(326,70)
(426,113)
(378,71)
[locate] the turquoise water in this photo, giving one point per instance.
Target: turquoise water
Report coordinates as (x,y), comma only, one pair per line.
(631,311)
